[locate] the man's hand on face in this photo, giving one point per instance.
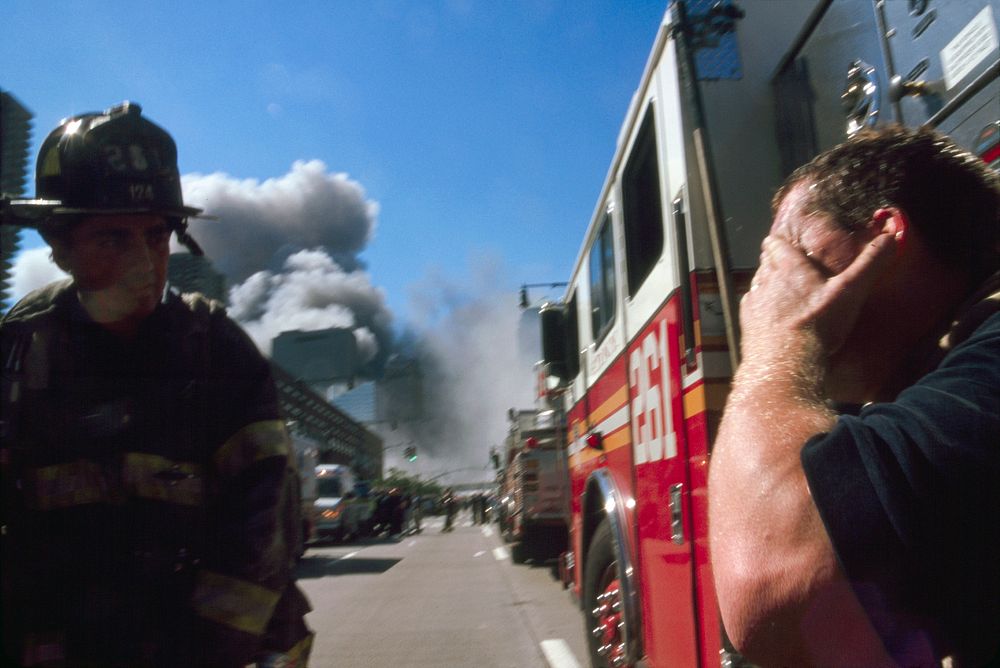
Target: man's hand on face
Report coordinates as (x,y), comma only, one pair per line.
(794,306)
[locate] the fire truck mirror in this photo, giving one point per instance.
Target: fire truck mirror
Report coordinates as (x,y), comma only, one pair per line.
(553,322)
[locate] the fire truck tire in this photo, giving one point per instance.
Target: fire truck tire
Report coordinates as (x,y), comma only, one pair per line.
(518,552)
(602,616)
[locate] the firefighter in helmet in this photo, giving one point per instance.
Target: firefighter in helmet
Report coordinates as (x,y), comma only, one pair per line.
(149,506)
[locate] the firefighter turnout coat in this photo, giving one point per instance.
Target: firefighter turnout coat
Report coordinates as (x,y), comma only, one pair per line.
(149,503)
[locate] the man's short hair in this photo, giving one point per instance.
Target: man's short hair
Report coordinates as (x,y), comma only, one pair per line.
(951,197)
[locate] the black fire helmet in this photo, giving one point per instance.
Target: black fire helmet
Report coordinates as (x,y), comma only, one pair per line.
(115,162)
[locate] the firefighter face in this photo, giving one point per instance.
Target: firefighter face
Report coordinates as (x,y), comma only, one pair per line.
(119,264)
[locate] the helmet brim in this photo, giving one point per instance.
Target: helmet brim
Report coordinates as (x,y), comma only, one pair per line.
(31,212)
(176,212)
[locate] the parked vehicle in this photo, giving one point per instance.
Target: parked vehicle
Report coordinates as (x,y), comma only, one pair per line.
(639,351)
(343,504)
(535,487)
(306,453)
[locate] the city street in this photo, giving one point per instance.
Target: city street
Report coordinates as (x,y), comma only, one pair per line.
(439,600)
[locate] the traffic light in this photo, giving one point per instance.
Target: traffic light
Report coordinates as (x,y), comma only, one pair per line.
(411,453)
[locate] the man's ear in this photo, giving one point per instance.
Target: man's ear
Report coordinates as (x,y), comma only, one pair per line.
(892,220)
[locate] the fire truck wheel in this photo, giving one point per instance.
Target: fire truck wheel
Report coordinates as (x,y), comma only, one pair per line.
(602,599)
(518,552)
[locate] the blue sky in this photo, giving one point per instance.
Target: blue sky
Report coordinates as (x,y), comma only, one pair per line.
(480,129)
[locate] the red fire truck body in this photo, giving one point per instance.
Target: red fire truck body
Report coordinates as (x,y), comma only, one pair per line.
(640,350)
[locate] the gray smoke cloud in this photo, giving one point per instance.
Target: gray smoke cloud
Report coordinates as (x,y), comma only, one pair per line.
(311,292)
(33,269)
(260,223)
(289,247)
(475,350)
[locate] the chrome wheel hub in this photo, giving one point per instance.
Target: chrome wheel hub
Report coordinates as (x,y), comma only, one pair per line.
(610,623)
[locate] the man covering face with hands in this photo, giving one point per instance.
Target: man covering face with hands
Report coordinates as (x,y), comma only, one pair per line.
(853,485)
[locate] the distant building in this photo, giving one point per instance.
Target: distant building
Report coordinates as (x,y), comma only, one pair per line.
(191,273)
(358,402)
(399,396)
(341,439)
(15,137)
(320,358)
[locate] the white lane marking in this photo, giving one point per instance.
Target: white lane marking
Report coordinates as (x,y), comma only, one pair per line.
(558,654)
(479,554)
(487,531)
(500,553)
(350,554)
(411,543)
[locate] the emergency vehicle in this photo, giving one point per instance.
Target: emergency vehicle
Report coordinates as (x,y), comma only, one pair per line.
(535,485)
(640,349)
(306,455)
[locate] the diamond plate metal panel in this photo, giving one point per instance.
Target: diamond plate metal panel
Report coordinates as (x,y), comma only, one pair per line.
(716,52)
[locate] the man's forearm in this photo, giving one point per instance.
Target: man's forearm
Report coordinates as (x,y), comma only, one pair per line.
(759,502)
(781,592)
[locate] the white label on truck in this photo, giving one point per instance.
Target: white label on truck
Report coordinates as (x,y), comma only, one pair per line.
(974,43)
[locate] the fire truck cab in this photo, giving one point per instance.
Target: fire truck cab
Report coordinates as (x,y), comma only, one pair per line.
(640,350)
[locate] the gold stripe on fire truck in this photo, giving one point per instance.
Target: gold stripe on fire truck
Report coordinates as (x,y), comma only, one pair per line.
(694,401)
(610,405)
(618,439)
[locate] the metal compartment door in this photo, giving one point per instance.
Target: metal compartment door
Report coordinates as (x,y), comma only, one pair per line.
(835,76)
(947,57)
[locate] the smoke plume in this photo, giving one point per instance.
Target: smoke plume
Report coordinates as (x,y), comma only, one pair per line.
(474,349)
(289,246)
(32,269)
(261,223)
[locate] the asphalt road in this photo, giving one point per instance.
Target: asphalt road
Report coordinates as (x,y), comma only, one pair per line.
(441,600)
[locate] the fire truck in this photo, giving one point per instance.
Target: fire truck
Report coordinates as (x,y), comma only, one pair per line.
(534,489)
(639,350)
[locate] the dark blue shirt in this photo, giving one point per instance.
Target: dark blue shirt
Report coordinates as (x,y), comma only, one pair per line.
(908,491)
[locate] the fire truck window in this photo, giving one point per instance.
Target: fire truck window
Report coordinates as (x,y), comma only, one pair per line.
(602,280)
(642,207)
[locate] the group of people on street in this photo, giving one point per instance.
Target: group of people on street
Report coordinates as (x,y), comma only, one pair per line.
(450,505)
(149,509)
(397,513)
(390,512)
(479,504)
